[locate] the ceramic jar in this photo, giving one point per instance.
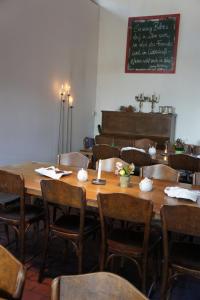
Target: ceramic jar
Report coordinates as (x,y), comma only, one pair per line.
(152,150)
(82,175)
(146,185)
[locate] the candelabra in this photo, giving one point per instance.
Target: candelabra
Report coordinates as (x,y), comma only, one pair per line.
(153,100)
(69,126)
(141,99)
(61,121)
(65,120)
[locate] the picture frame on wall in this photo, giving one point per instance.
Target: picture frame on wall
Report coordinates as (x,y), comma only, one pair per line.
(152,44)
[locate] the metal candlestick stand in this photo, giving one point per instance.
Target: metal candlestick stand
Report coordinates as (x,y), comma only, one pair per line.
(141,99)
(153,100)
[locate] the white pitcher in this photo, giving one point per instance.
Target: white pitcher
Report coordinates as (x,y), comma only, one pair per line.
(152,150)
(146,185)
(82,175)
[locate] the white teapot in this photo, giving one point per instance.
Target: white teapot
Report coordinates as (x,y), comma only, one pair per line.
(82,175)
(146,185)
(152,150)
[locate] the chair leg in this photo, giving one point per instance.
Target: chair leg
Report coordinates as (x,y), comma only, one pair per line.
(44,254)
(112,264)
(54,213)
(144,267)
(80,258)
(7,233)
(102,259)
(164,280)
(22,244)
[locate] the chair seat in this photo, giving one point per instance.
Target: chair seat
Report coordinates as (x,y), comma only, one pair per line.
(186,255)
(13,213)
(8,198)
(71,224)
(130,242)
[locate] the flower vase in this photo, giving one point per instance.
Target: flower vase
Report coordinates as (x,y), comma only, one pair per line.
(124,181)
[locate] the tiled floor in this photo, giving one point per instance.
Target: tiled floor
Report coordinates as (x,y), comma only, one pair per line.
(34,290)
(62,261)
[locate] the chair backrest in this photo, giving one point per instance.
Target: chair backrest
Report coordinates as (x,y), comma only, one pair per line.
(184,162)
(139,158)
(14,184)
(109,164)
(180,219)
(62,193)
(160,171)
(196,149)
(103,151)
(11,183)
(73,159)
(99,286)
(196,178)
(124,207)
(144,143)
(12,275)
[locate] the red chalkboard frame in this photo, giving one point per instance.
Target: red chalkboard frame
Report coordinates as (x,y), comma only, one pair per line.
(128,45)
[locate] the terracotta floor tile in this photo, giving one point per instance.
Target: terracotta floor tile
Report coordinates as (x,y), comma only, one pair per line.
(32,275)
(42,289)
(30,284)
(31,295)
(47,281)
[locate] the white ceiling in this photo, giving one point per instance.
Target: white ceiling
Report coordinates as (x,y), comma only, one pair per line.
(119,7)
(107,3)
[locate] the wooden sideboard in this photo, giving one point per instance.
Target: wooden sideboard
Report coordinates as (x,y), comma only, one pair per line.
(123,128)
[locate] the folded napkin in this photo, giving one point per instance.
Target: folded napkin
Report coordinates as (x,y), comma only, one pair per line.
(132,148)
(52,172)
(178,192)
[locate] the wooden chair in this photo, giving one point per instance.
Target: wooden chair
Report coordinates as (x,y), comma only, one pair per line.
(187,164)
(109,164)
(21,215)
(139,159)
(184,162)
(103,151)
(71,227)
(181,256)
(196,149)
(196,178)
(12,276)
(73,159)
(98,286)
(144,143)
(126,242)
(160,171)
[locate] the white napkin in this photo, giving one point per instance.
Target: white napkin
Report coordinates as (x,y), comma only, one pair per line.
(52,172)
(132,148)
(198,156)
(177,192)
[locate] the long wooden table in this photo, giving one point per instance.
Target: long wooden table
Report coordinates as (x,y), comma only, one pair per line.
(157,195)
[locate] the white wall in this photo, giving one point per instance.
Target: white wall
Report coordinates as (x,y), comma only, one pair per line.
(44,43)
(181,90)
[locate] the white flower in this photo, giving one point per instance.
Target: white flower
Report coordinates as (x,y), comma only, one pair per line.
(119,165)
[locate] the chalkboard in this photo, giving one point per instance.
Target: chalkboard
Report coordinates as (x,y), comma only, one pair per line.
(152,44)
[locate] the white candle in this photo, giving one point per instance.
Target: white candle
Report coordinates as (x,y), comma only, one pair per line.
(62,92)
(71,101)
(68,89)
(99,170)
